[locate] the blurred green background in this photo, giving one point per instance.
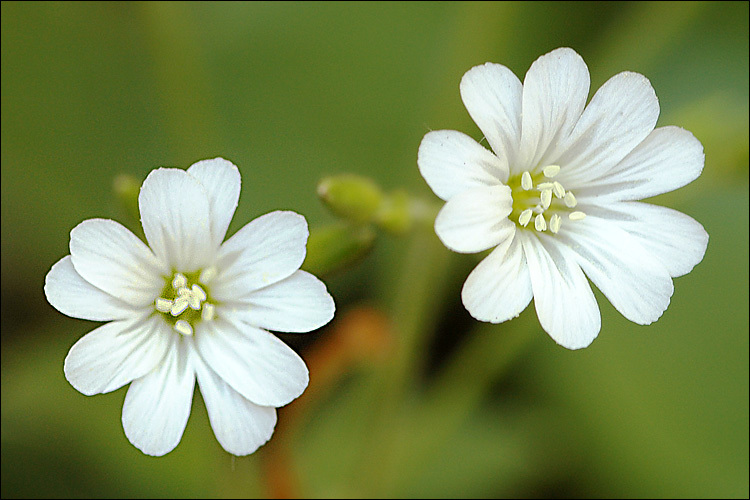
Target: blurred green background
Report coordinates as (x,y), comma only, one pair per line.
(291,92)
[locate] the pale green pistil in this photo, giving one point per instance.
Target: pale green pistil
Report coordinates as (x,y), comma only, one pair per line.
(184,302)
(542,199)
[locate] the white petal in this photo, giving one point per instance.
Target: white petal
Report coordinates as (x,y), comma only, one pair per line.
(253,361)
(221,179)
(669,158)
(452,162)
(264,251)
(241,427)
(175,215)
(492,94)
(678,241)
(563,299)
(499,288)
(299,303)
(110,257)
(622,113)
(554,93)
(475,219)
(634,281)
(157,406)
(116,353)
(73,296)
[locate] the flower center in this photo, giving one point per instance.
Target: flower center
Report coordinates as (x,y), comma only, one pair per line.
(184,302)
(540,198)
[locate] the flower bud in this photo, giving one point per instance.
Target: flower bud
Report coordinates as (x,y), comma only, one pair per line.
(336,246)
(351,196)
(395,215)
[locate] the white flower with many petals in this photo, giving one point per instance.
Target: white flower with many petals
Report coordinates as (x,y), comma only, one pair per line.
(556,197)
(191,307)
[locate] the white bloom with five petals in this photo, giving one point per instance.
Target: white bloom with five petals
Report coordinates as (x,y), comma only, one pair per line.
(557,196)
(188,307)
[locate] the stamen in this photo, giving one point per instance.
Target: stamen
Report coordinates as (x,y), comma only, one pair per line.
(525,217)
(184,298)
(207,275)
(163,305)
(193,302)
(179,281)
(207,314)
(179,306)
(539,223)
(183,327)
(577,216)
(199,293)
(554,223)
(546,197)
(558,189)
(526,182)
(570,200)
(548,190)
(551,170)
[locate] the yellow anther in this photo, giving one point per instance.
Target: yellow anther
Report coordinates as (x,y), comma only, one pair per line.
(577,216)
(207,275)
(525,217)
(526,182)
(546,197)
(163,305)
(570,200)
(548,190)
(558,189)
(551,170)
(539,223)
(199,293)
(183,327)
(179,281)
(179,306)
(207,314)
(554,223)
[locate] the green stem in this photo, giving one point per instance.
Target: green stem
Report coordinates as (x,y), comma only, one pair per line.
(419,293)
(460,388)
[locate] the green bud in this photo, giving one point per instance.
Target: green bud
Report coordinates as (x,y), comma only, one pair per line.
(351,196)
(336,246)
(395,215)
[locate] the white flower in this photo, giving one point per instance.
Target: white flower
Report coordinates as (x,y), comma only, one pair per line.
(191,307)
(557,198)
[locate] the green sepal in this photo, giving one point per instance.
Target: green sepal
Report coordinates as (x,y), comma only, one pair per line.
(336,246)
